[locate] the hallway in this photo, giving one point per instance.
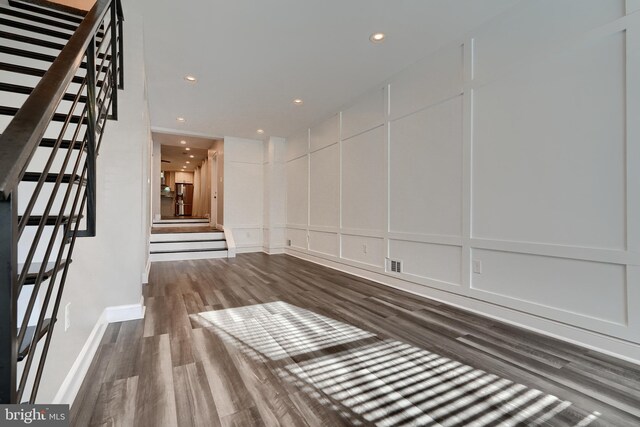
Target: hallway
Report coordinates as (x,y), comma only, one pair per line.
(273,340)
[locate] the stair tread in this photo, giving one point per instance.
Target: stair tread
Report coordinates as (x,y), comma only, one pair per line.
(26,90)
(188,241)
(41,30)
(50,142)
(47,10)
(23,351)
(38,56)
(65,143)
(51,177)
(188,250)
(34,28)
(31,40)
(34,268)
(34,220)
(16,13)
(36,72)
(57,117)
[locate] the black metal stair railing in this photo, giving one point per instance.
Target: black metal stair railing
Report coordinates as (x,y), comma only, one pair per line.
(86,74)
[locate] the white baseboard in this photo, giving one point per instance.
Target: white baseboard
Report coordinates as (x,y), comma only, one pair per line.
(123,313)
(71,385)
(231,242)
(248,249)
(273,251)
(588,339)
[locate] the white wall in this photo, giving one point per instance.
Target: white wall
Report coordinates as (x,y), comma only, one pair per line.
(156,158)
(516,150)
(218,148)
(108,270)
(243,192)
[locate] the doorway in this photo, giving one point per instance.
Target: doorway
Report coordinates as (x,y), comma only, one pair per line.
(187,184)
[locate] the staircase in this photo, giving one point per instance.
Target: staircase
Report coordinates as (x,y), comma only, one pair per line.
(59,78)
(179,240)
(172,223)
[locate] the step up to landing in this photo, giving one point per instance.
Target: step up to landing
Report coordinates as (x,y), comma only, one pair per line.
(165,223)
(177,246)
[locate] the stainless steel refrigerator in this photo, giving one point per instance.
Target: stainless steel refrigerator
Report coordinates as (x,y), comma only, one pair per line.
(184,199)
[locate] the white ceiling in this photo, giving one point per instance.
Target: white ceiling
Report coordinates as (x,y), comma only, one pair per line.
(253,57)
(178,157)
(178,154)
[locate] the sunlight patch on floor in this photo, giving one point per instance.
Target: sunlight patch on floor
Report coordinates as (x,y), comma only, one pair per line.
(386,382)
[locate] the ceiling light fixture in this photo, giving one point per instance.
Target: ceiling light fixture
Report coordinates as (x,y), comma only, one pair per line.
(192,156)
(377,37)
(187,161)
(183,142)
(260,131)
(188,149)
(190,79)
(298,101)
(181,119)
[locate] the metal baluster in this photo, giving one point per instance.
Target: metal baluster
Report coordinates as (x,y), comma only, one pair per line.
(120,52)
(114,59)
(8,298)
(91,139)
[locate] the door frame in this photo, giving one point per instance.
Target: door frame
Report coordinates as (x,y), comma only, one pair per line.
(213,174)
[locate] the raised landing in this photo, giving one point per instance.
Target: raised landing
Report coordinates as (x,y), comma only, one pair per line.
(178,229)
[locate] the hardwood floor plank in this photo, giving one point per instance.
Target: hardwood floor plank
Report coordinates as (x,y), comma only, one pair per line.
(194,402)
(116,404)
(275,340)
(155,400)
(82,409)
(229,392)
(125,360)
(245,418)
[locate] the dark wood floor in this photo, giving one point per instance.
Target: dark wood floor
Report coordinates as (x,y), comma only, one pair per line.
(273,340)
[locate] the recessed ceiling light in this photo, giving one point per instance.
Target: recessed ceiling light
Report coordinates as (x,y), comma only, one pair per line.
(183,142)
(181,119)
(260,131)
(187,161)
(190,78)
(192,156)
(188,149)
(377,37)
(298,101)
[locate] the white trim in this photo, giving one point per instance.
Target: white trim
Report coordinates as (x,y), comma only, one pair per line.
(231,243)
(123,313)
(147,269)
(249,249)
(609,345)
(187,256)
(273,251)
(71,385)
(172,131)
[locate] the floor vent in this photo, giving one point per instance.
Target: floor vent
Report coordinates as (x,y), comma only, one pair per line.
(394,266)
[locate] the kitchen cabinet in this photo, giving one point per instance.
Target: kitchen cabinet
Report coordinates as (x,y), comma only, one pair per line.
(184,177)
